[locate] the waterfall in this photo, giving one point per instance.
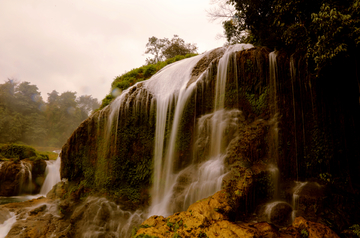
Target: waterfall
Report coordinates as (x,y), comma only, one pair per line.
(52,175)
(168,85)
(204,179)
(274,171)
(293,75)
(25,175)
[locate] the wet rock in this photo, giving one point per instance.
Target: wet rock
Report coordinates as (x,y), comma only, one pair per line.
(278,213)
(37,210)
(306,198)
(15,177)
(58,190)
(313,229)
(4,215)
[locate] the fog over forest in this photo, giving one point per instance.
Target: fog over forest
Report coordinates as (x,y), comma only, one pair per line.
(25,117)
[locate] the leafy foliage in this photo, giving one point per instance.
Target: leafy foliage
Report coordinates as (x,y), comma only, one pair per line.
(164,49)
(324,30)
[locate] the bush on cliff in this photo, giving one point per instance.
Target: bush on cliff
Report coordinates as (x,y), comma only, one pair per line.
(142,73)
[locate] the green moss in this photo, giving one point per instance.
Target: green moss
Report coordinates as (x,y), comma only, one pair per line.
(258,102)
(128,79)
(18,152)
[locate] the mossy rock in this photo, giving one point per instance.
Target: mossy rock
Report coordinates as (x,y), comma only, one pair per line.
(17,151)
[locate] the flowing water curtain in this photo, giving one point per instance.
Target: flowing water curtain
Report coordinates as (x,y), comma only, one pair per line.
(52,175)
(170,183)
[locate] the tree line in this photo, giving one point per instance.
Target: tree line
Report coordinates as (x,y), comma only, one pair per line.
(26,118)
(323,30)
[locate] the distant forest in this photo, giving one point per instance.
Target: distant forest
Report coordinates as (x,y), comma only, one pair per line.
(26,118)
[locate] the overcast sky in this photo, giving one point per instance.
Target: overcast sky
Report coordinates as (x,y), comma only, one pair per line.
(82,45)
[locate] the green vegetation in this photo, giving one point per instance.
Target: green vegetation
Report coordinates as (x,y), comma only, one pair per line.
(259,103)
(323,30)
(18,152)
(164,49)
(304,233)
(355,229)
(142,73)
(145,236)
(26,118)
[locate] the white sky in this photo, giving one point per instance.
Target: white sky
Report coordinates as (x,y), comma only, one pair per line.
(82,45)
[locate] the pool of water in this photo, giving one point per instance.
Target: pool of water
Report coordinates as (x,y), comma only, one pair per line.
(13,199)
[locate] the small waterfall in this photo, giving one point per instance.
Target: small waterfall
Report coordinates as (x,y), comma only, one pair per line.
(278,213)
(102,218)
(208,179)
(274,171)
(293,75)
(25,177)
(52,175)
(295,197)
(6,226)
(274,130)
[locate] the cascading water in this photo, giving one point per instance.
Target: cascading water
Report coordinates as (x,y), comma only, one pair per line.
(25,177)
(102,218)
(274,171)
(7,224)
(166,84)
(295,197)
(293,75)
(52,175)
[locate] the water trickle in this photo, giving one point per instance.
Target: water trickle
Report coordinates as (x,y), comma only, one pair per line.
(274,171)
(52,175)
(295,196)
(274,130)
(6,226)
(278,213)
(293,75)
(25,177)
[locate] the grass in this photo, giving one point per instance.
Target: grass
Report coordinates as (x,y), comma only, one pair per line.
(49,151)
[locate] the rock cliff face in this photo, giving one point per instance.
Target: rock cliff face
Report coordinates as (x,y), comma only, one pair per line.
(21,177)
(281,114)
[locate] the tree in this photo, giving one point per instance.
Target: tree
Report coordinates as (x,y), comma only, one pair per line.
(322,29)
(87,104)
(164,49)
(155,47)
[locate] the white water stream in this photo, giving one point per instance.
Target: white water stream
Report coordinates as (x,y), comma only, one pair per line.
(52,175)
(52,178)
(6,226)
(169,86)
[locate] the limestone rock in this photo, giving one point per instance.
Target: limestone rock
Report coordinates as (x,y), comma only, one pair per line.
(315,230)
(15,177)
(4,215)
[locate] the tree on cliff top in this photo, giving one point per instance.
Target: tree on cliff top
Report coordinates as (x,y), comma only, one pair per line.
(163,49)
(323,30)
